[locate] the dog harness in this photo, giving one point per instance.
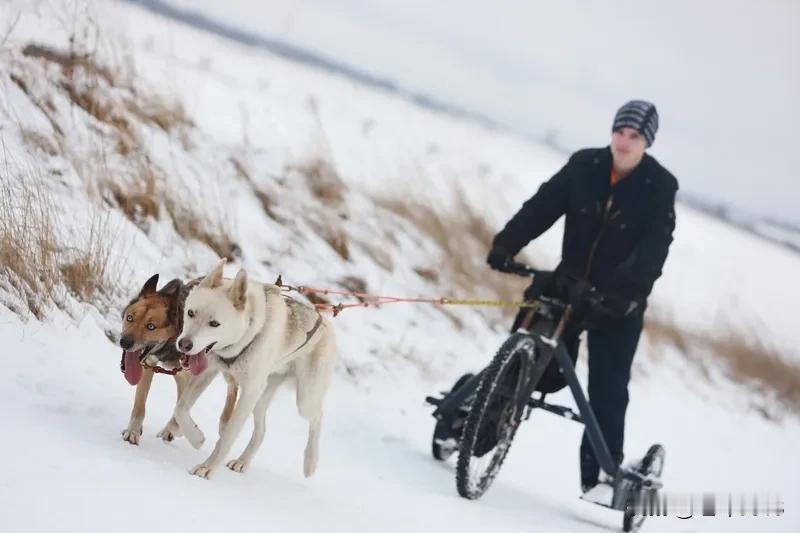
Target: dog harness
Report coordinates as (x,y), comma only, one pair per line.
(309,334)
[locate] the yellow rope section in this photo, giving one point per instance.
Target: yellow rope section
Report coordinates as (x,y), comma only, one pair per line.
(489,303)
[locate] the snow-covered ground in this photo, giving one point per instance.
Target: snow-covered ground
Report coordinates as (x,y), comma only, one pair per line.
(66,466)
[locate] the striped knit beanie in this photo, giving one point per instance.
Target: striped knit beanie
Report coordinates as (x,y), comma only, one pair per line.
(639,115)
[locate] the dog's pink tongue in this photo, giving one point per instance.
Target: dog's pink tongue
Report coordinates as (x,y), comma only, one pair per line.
(198,363)
(133,370)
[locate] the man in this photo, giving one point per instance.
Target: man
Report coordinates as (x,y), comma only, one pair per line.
(619,207)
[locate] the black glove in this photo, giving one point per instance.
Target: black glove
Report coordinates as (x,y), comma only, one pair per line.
(498,258)
(621,307)
(593,308)
(608,309)
(577,292)
(543,283)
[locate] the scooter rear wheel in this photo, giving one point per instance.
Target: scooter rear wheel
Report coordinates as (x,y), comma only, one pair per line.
(448,430)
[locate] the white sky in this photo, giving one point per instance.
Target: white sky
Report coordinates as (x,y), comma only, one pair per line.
(725,75)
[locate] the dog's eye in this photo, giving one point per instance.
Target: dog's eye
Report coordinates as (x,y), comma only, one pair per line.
(151,326)
(190,313)
(214,324)
(129,318)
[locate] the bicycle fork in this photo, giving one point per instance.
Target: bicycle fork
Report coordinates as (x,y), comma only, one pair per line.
(596,439)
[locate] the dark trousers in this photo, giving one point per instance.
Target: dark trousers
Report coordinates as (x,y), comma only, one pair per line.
(611,353)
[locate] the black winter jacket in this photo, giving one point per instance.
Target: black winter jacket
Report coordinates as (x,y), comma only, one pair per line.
(617,237)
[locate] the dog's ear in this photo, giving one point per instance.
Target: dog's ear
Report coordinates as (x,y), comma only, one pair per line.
(171,288)
(149,286)
(214,278)
(238,291)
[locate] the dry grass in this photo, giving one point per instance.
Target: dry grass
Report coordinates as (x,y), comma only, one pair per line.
(167,114)
(139,199)
(240,170)
(143,193)
(749,360)
(88,84)
(353,283)
(265,198)
(267,204)
(452,317)
(91,98)
(28,251)
(203,227)
(335,236)
(428,274)
(136,184)
(327,210)
(107,96)
(321,175)
(36,267)
(743,357)
(43,105)
(69,61)
(379,254)
(41,142)
(89,274)
(323,181)
(463,237)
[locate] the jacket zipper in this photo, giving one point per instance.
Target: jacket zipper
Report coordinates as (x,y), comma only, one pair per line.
(609,204)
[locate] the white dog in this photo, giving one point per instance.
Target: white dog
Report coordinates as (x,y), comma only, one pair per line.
(257,336)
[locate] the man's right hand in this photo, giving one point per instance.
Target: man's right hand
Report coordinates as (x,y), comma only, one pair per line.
(609,309)
(498,258)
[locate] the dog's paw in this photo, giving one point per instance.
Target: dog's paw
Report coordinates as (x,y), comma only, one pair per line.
(168,434)
(202,471)
(195,437)
(237,465)
(132,436)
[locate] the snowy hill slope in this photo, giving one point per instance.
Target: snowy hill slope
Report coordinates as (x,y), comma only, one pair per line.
(195,147)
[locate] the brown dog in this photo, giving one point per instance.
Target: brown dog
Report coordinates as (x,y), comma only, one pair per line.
(151,323)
